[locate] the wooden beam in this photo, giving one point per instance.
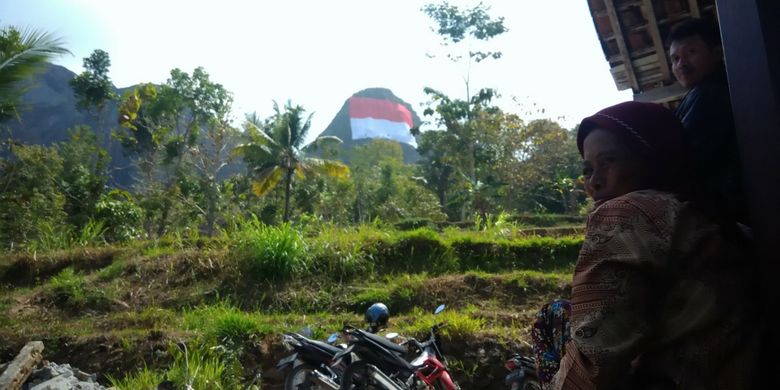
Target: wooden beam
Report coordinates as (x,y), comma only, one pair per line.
(21,367)
(617,31)
(662,94)
(750,41)
(694,6)
(658,42)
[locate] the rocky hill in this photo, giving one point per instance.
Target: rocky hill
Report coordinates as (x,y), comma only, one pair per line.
(342,126)
(49,110)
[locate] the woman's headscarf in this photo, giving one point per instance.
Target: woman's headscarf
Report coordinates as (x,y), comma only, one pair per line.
(650,131)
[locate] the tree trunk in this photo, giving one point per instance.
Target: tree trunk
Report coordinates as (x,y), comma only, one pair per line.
(287,189)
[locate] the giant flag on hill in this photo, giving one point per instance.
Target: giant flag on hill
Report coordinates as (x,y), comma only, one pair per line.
(380,118)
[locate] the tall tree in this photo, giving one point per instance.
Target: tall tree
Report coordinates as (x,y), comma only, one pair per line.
(164,125)
(462,30)
(22,53)
(84,174)
(275,151)
(93,87)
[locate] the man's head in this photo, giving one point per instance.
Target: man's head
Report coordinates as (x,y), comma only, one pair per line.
(695,51)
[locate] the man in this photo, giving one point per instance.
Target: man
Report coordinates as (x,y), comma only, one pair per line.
(697,63)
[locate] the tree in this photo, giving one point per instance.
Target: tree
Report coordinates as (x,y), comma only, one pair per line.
(22,53)
(94,90)
(93,87)
(164,126)
(84,174)
(30,200)
(474,25)
(464,120)
(545,172)
(275,151)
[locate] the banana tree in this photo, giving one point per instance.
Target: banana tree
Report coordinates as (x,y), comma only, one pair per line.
(275,151)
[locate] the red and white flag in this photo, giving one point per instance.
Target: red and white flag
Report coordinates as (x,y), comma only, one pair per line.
(378,118)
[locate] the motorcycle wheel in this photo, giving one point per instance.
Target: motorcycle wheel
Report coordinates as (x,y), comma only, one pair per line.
(298,378)
(356,378)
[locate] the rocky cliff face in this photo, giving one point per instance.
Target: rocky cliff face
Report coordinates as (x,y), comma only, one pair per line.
(340,125)
(49,109)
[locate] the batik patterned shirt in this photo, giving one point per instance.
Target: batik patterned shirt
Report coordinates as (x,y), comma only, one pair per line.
(658,301)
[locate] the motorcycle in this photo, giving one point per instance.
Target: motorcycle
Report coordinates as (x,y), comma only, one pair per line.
(310,362)
(522,373)
(378,363)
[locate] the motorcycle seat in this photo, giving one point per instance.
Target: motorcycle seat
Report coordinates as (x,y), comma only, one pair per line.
(385,343)
(325,347)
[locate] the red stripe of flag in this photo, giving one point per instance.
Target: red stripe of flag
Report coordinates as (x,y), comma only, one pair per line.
(363,107)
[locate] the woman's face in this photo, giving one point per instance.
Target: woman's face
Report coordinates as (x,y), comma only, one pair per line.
(610,168)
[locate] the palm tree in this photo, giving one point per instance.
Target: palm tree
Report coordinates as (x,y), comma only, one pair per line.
(21,55)
(276,151)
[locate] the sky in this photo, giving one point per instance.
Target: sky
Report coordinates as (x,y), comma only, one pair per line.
(319,53)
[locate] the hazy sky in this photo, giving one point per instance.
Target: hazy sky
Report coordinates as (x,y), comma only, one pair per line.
(318,53)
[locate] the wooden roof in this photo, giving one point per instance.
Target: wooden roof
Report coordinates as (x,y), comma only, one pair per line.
(633,37)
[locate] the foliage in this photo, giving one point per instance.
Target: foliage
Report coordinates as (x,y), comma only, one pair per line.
(275,152)
(416,251)
(31,203)
(120,215)
(179,133)
(84,174)
(69,290)
(386,188)
(269,253)
(455,25)
(192,368)
(144,379)
(93,87)
(543,253)
(22,54)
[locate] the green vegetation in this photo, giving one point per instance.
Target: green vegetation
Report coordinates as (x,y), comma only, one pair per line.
(229,238)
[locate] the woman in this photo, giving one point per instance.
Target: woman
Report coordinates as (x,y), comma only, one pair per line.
(659,295)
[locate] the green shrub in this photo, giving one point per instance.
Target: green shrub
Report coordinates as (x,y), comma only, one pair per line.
(224,322)
(68,290)
(112,271)
(543,253)
(272,253)
(197,368)
(121,216)
(416,251)
(144,379)
(548,220)
(414,223)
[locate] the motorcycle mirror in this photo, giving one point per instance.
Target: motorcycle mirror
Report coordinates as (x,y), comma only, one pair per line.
(332,338)
(391,335)
(306,331)
(439,309)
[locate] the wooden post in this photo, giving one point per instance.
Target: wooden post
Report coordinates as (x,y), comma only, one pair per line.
(620,39)
(750,43)
(21,367)
(658,41)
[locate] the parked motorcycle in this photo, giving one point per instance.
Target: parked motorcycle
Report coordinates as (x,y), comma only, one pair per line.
(310,362)
(378,363)
(522,373)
